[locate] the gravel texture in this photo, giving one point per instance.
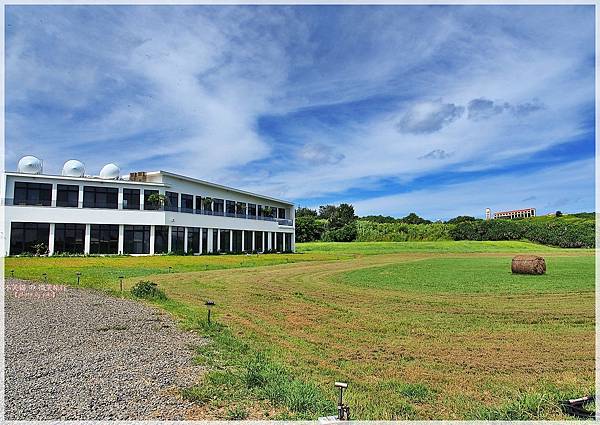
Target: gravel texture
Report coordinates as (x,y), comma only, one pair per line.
(80,354)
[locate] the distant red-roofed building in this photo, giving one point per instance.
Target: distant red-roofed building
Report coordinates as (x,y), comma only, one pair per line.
(527,212)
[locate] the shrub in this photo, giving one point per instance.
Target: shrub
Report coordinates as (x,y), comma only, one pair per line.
(346,233)
(148,290)
(564,232)
(368,231)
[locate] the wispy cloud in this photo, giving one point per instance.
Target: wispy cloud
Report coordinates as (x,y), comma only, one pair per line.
(302,102)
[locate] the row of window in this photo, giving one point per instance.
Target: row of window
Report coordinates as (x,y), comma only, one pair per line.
(108,197)
(104,239)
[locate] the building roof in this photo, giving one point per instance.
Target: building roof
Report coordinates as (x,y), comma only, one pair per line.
(219,186)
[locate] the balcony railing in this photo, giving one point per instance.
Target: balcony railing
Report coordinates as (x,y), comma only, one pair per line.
(145,207)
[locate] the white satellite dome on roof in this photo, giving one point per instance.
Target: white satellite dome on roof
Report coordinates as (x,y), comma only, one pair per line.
(30,165)
(110,172)
(73,168)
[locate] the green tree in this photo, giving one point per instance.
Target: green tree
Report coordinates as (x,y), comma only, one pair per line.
(413,218)
(341,216)
(306,212)
(308,229)
(325,211)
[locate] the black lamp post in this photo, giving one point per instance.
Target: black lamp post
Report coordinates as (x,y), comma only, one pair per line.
(121,282)
(170,268)
(343,411)
(209,304)
(45,275)
(12,273)
(78,276)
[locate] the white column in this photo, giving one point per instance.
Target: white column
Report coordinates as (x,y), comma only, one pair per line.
(121,249)
(152,238)
(230,240)
(269,241)
(200,237)
(54,195)
(283,242)
(141,199)
(185,239)
(120,199)
(293,218)
(209,240)
(169,239)
(243,240)
(218,240)
(294,242)
(80,200)
(51,237)
(253,240)
(86,240)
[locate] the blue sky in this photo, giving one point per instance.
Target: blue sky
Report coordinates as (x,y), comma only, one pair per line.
(440,110)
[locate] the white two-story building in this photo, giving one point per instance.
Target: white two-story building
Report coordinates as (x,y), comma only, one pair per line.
(143,213)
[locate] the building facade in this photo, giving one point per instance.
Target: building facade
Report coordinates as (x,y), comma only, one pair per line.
(143,214)
(528,212)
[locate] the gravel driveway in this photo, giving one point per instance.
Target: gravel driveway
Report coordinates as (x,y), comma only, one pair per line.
(79,354)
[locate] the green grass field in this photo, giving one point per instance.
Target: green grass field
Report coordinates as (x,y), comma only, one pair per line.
(420,330)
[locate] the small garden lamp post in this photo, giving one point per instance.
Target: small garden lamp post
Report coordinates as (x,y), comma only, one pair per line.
(209,305)
(12,273)
(121,282)
(78,276)
(45,275)
(343,411)
(170,268)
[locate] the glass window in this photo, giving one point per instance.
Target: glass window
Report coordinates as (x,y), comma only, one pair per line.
(240,209)
(148,204)
(137,240)
(252,210)
(131,199)
(69,238)
(260,211)
(247,240)
(177,239)
(104,239)
(187,203)
(230,208)
(204,241)
(218,206)
(288,242)
(279,240)
(193,244)
(258,241)
(281,213)
(33,194)
(237,240)
(199,206)
(67,195)
(215,234)
(29,237)
(161,239)
(225,235)
(100,197)
(172,201)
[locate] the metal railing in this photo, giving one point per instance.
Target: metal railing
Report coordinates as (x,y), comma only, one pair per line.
(145,207)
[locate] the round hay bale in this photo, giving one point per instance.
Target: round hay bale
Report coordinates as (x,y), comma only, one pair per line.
(528,264)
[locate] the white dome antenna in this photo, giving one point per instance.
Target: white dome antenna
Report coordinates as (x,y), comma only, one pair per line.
(110,172)
(30,165)
(73,168)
